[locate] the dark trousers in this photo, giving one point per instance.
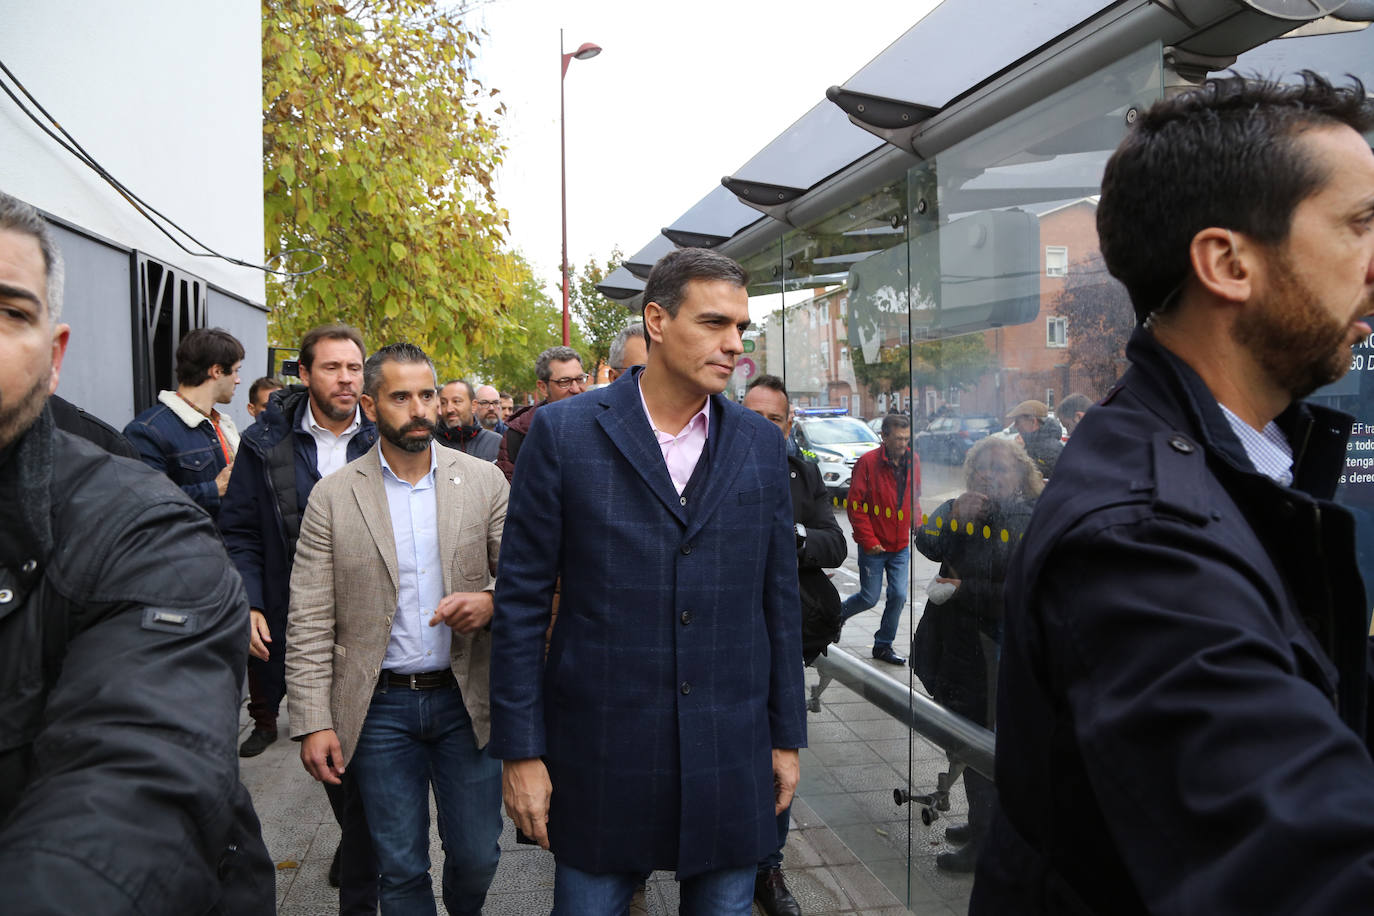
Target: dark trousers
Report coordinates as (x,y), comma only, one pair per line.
(357,863)
(267,679)
(774,859)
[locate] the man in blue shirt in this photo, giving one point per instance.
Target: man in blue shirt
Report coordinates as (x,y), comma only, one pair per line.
(388,644)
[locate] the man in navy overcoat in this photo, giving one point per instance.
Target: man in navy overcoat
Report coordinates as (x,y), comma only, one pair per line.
(662,730)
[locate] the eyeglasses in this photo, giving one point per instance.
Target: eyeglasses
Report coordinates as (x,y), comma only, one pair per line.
(565,383)
(487,403)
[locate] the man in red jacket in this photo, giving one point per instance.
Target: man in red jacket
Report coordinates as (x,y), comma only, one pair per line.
(882,510)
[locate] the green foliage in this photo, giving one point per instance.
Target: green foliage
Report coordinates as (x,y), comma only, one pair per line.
(600,319)
(377,155)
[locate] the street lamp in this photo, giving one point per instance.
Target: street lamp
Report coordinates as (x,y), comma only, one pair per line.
(585,52)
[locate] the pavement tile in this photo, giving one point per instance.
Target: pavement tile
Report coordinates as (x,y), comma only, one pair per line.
(849,752)
(830,848)
(818,891)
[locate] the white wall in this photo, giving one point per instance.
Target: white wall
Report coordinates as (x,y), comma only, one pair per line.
(166,94)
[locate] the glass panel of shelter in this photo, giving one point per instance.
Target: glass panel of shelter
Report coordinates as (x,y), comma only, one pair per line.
(951,296)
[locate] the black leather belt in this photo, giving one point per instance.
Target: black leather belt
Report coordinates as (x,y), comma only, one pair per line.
(424,680)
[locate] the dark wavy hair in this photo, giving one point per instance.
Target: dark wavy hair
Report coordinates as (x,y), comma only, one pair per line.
(1226,154)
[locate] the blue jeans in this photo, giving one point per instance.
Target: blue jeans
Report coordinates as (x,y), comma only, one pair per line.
(871,567)
(727,892)
(411,740)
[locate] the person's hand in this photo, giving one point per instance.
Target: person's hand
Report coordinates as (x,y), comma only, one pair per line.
(464,612)
(526,789)
(222,479)
(873,551)
(320,755)
(970,506)
(258,634)
(786,774)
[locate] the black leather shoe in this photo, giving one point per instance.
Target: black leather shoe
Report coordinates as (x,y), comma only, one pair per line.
(257,742)
(958,834)
(961,861)
(885,654)
(334,866)
(772,895)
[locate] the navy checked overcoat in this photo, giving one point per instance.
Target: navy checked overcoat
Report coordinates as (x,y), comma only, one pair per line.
(675,665)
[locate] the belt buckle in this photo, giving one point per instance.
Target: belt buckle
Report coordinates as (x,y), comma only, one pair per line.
(413,684)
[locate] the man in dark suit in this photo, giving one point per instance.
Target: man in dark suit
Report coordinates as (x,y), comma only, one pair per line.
(671,707)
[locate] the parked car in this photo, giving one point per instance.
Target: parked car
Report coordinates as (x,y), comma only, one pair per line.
(948,439)
(834,441)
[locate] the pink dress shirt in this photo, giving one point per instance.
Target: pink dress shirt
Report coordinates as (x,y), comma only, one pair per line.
(681,452)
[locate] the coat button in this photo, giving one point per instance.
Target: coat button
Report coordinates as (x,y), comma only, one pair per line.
(686,618)
(686,549)
(1180,445)
(29,566)
(6,596)
(686,688)
(683,500)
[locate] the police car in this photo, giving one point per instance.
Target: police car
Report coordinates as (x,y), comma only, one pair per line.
(834,440)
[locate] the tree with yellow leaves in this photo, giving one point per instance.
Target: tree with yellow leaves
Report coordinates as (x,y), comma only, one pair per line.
(379,152)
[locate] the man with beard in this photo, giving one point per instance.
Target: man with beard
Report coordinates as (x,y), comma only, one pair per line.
(1183,692)
(558,375)
(121,653)
(489,407)
(388,643)
(458,429)
(307,432)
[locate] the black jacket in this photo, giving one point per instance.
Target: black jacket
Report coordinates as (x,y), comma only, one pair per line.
(122,652)
(274,472)
(471,440)
(1181,710)
(823,548)
(947,651)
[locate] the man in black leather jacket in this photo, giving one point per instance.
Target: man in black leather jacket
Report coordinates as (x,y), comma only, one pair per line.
(1182,707)
(121,654)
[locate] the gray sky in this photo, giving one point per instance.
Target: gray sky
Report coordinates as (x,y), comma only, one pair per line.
(680,95)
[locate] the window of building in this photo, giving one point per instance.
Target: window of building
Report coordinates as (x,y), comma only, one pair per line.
(1056,261)
(168,304)
(1057,332)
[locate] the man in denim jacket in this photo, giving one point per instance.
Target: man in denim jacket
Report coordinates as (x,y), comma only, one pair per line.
(183,435)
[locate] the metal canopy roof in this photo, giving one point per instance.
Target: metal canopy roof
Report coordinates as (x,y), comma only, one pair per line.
(936,71)
(718,215)
(960,43)
(620,284)
(814,147)
(1333,56)
(643,260)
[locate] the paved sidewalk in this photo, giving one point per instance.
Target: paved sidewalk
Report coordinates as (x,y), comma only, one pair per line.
(826,877)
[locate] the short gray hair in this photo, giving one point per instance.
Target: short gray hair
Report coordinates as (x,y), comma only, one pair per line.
(17,216)
(391,353)
(617,355)
(552,354)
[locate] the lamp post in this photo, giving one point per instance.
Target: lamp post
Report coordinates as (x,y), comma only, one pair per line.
(584,52)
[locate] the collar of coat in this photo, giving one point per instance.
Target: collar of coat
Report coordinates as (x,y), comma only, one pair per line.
(1317,434)
(193,418)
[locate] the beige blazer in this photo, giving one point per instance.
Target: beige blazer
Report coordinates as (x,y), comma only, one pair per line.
(344,588)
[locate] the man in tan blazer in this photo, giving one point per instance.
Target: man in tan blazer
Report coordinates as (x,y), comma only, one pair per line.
(388,642)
